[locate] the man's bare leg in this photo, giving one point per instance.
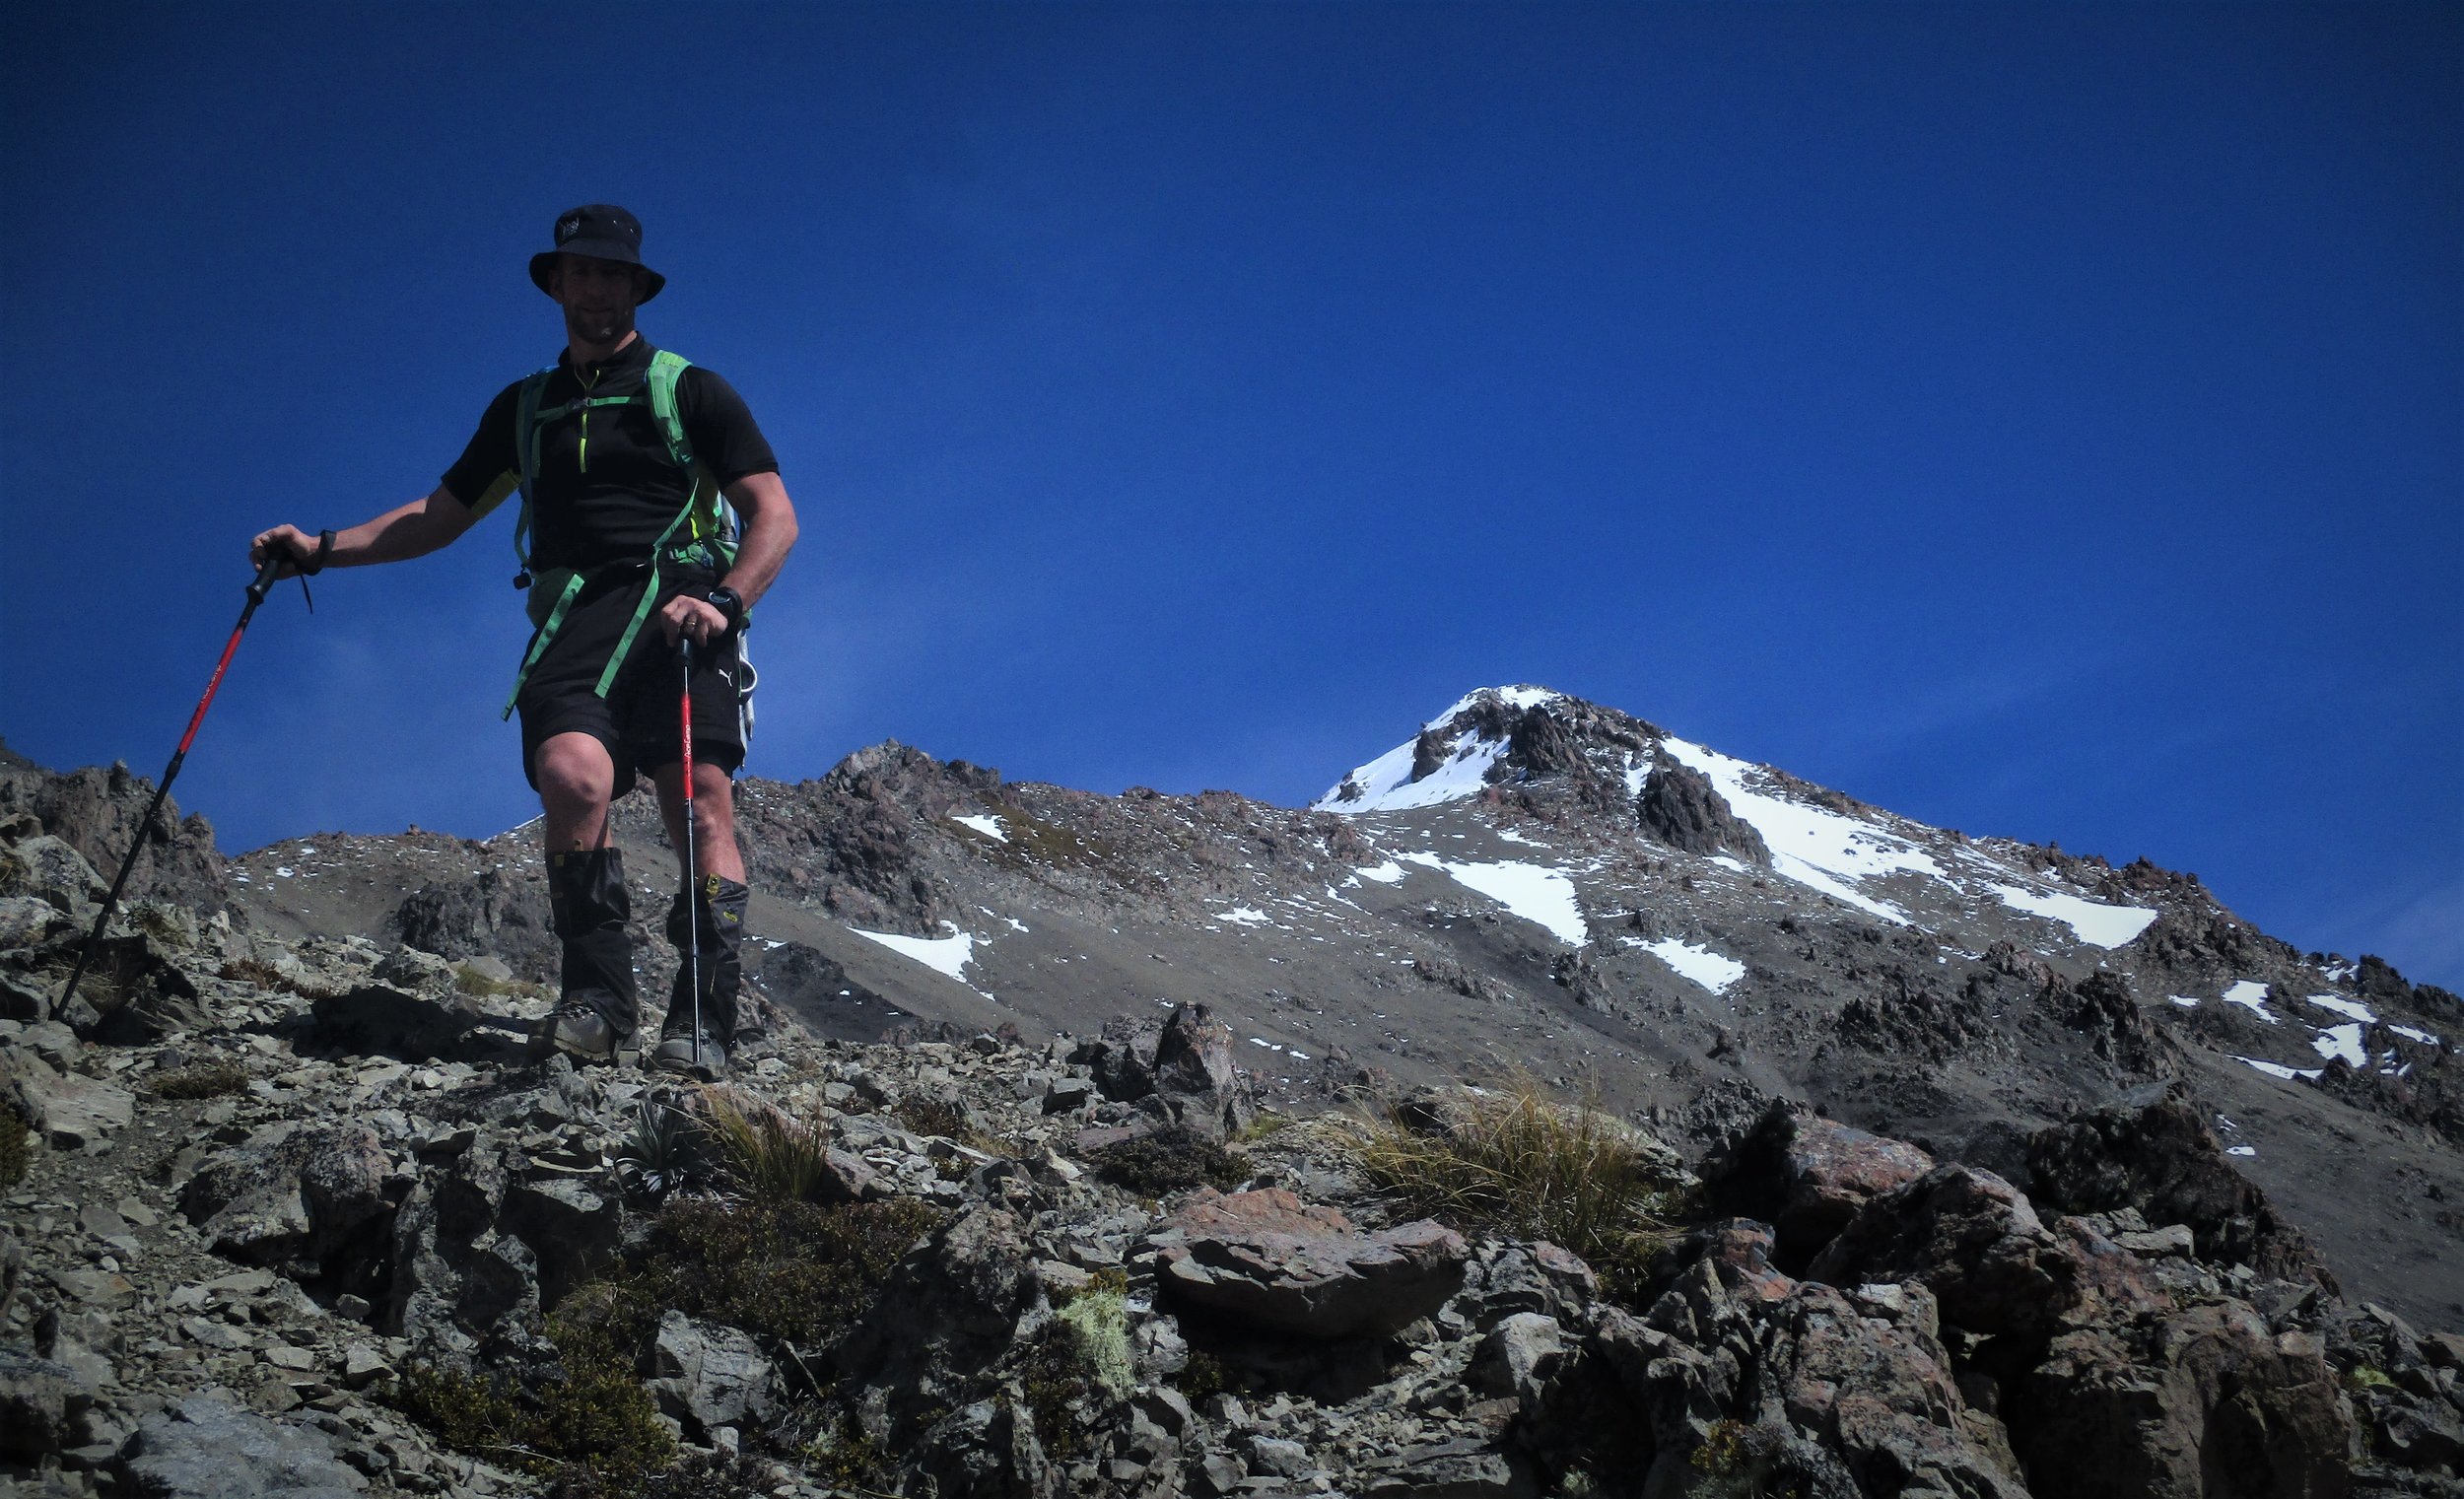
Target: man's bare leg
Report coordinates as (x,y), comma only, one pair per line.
(714,850)
(587,894)
(576,783)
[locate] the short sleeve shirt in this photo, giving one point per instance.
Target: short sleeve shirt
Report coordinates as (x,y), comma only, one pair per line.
(606,488)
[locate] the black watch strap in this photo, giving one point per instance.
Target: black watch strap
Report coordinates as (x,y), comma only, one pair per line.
(314,562)
(728,602)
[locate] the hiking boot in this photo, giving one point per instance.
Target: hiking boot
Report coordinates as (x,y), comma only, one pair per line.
(578,1031)
(675,1054)
(587,898)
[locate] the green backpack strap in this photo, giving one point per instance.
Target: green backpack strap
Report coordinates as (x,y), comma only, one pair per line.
(709,539)
(526,424)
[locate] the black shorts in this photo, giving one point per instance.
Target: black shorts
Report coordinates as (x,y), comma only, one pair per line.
(640,719)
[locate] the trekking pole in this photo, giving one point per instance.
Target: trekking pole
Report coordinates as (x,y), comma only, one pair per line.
(256,595)
(691,894)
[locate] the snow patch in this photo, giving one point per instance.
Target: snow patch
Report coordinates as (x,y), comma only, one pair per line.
(1388,873)
(989,827)
(1711,969)
(2343,1041)
(2096,924)
(2184,1001)
(1540,895)
(1245,916)
(2351,1009)
(2410,1034)
(2251,996)
(2279,1069)
(2241,1150)
(943,955)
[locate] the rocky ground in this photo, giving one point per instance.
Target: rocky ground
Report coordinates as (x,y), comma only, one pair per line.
(290,1211)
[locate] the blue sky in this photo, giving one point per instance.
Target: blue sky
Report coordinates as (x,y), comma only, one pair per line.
(2039,420)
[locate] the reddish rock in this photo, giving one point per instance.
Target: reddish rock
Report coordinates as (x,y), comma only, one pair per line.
(1808,1175)
(1973,1240)
(1270,1258)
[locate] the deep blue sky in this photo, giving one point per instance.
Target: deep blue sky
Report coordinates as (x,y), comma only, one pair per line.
(2039,420)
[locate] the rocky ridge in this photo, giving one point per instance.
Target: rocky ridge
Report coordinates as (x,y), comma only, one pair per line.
(286,1189)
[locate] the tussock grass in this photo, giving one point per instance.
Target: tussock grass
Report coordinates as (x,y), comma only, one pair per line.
(768,1154)
(16,1150)
(1511,1160)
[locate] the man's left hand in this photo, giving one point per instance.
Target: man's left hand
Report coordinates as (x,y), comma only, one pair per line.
(697,620)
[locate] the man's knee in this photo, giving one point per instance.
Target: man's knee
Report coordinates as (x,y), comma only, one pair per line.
(575,773)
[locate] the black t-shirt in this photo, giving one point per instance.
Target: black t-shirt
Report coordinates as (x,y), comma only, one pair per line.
(606,488)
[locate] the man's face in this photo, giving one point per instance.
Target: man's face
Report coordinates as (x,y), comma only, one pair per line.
(598,297)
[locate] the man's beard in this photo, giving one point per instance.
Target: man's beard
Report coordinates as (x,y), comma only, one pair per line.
(598,327)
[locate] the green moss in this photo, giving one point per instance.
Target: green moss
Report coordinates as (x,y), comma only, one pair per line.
(2364,1377)
(1100,1320)
(16,1149)
(1265,1123)
(204,1079)
(1172,1159)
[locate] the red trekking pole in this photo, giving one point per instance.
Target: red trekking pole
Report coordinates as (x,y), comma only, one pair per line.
(256,595)
(692,903)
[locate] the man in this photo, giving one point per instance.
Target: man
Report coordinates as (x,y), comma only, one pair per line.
(621,480)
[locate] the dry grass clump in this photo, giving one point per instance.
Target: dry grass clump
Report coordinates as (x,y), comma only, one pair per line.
(17,1150)
(768,1154)
(1513,1161)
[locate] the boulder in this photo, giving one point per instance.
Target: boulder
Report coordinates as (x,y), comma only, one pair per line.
(206,1448)
(707,1375)
(41,1402)
(296,1194)
(2204,1403)
(2155,1153)
(1807,1177)
(1196,1078)
(1867,1380)
(1972,1239)
(1268,1258)
(27,920)
(71,1110)
(50,871)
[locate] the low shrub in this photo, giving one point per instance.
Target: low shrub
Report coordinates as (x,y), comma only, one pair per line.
(202,1079)
(16,1150)
(1174,1158)
(778,1270)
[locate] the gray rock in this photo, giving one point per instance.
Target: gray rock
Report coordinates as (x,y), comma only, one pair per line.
(295,1191)
(205,1448)
(707,1375)
(47,870)
(1195,1076)
(1275,1455)
(1452,1470)
(72,1110)
(571,1227)
(40,1402)
(27,920)
(1518,1357)
(1973,1240)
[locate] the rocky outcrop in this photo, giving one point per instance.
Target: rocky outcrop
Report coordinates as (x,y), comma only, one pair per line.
(1679,807)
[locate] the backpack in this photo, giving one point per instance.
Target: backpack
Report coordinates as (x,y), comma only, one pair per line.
(708,523)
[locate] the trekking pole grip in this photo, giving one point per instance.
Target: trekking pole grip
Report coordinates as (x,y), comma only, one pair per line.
(274,559)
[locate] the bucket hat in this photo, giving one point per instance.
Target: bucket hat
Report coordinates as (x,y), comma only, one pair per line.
(601,231)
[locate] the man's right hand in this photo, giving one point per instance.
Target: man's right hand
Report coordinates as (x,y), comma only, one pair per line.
(288,542)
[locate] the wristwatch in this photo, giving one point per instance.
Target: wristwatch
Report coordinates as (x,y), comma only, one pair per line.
(726,602)
(314,562)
